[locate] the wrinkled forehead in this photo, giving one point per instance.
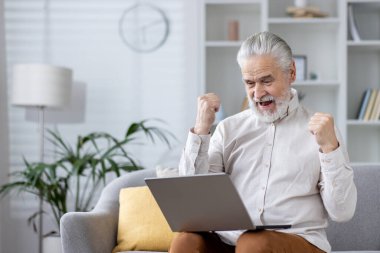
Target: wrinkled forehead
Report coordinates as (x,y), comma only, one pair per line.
(260,65)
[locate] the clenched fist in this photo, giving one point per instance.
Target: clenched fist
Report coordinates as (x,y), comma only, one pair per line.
(321,125)
(208,105)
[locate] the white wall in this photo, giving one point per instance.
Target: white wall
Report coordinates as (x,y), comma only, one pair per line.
(4,154)
(121,86)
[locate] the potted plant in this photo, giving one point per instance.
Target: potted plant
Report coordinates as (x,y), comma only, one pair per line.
(69,182)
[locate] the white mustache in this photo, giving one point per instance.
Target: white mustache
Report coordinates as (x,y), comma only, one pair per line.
(263,99)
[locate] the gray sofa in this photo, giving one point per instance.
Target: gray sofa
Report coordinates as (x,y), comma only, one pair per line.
(96,231)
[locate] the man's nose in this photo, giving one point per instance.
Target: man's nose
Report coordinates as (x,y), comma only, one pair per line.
(259,91)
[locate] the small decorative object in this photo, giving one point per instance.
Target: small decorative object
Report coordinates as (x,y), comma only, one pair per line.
(144,27)
(233,30)
(352,27)
(301,67)
(313,76)
(305,11)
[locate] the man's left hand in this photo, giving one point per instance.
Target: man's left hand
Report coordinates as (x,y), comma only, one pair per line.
(321,125)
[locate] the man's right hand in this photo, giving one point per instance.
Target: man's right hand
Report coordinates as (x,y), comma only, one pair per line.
(208,105)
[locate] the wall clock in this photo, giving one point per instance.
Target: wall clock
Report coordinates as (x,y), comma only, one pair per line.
(144,27)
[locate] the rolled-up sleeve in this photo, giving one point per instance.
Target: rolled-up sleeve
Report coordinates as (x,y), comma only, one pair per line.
(194,159)
(337,186)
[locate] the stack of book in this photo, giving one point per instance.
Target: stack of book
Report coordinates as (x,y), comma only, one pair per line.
(370,105)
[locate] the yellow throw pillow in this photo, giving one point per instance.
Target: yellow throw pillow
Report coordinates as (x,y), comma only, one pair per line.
(142,226)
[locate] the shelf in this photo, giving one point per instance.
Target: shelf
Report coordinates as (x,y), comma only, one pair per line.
(364,45)
(362,1)
(367,4)
(316,83)
(354,122)
(232,2)
(223,43)
(304,21)
(357,164)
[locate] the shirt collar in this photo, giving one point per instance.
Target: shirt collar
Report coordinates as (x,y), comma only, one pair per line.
(293,104)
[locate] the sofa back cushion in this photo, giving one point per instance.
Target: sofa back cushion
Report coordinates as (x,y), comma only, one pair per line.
(363,231)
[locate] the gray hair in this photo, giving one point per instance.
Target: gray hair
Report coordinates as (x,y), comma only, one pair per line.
(266,43)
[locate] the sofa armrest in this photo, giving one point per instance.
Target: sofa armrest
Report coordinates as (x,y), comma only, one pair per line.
(88,232)
(96,231)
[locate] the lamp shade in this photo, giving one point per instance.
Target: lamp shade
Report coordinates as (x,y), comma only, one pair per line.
(41,85)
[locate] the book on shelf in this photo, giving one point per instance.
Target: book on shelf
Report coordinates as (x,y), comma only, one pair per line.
(352,26)
(370,106)
(364,103)
(375,115)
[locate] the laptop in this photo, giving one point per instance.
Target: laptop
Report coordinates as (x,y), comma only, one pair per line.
(205,202)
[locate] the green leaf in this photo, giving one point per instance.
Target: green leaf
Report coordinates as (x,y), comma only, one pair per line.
(134,127)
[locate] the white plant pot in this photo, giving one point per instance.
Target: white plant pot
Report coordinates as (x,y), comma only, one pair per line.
(52,244)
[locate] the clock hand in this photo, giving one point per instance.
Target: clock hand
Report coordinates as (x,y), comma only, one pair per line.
(153,23)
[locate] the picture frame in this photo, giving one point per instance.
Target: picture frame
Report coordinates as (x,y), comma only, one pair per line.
(301,67)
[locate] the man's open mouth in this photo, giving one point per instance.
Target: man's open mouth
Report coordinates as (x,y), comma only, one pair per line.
(265,103)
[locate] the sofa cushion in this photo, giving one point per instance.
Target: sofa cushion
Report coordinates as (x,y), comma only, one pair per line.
(362,232)
(142,225)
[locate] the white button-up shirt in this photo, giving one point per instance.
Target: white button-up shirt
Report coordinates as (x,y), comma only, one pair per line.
(278,171)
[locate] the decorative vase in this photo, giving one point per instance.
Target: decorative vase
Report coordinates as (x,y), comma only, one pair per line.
(52,244)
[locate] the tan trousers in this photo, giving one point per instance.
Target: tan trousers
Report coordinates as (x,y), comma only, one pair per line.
(263,241)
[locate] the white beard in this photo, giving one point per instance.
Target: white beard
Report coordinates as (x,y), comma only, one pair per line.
(282,104)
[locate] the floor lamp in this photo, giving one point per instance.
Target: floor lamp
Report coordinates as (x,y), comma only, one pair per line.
(41,86)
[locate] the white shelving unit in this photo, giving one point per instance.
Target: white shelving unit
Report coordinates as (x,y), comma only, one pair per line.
(363,64)
(344,68)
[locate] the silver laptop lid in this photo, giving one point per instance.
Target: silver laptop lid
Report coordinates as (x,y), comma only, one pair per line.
(206,202)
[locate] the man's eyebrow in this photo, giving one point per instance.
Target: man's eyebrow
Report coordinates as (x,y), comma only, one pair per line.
(269,76)
(266,77)
(248,80)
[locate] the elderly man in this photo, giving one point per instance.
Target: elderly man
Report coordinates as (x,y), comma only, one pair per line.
(290,166)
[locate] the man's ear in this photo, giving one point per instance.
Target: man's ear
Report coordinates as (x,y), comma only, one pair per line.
(293,72)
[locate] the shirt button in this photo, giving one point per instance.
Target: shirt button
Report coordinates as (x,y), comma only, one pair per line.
(260,209)
(263,188)
(267,165)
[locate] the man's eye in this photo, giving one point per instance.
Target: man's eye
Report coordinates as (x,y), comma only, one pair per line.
(267,81)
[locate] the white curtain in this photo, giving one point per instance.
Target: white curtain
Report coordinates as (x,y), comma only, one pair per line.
(4,143)
(121,86)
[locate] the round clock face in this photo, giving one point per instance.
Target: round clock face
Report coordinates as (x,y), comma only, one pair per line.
(144,27)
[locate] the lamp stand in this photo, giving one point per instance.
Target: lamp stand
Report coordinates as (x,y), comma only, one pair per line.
(41,117)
